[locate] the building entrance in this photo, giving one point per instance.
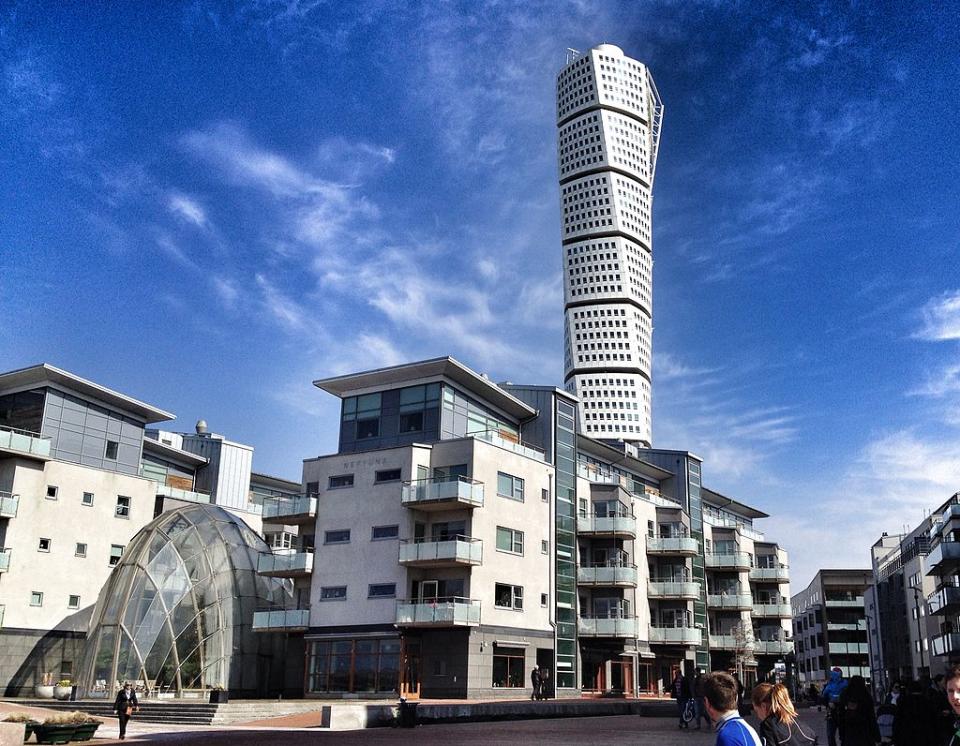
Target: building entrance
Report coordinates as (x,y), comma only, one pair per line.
(410,669)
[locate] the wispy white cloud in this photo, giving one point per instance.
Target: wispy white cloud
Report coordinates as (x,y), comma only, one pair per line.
(941,318)
(187,208)
(173,250)
(227,291)
(284,309)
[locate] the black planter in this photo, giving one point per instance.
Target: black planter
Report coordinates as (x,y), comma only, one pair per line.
(85,731)
(219,697)
(54,733)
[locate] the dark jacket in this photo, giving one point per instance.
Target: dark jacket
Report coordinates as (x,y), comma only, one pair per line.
(857,720)
(121,703)
(915,721)
(773,732)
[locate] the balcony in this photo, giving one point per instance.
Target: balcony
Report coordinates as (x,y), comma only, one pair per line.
(622,626)
(4,559)
(281,620)
(948,644)
(675,635)
(8,505)
(439,612)
(683,546)
(290,510)
(848,648)
(730,601)
(442,493)
(778,611)
(285,565)
(24,441)
(600,477)
(772,647)
(175,493)
(622,576)
(944,558)
(844,603)
(946,600)
(673,589)
(449,552)
(724,522)
(734,561)
(770,574)
(621,525)
(494,438)
(730,642)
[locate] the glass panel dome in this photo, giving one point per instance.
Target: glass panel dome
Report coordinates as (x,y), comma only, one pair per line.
(176,613)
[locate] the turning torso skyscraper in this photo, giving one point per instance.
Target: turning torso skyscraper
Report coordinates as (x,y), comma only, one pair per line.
(608,121)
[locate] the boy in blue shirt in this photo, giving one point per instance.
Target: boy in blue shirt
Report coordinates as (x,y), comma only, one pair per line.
(720,701)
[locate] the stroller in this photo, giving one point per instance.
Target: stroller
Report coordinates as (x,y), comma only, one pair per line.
(885,716)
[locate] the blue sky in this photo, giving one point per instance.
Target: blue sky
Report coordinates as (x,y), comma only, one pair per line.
(209,205)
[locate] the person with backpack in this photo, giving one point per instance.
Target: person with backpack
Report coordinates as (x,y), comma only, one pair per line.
(778,717)
(856,718)
(830,696)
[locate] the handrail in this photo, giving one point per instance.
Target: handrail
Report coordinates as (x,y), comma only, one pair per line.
(438,539)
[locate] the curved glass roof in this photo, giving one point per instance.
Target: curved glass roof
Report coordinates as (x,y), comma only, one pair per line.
(177,610)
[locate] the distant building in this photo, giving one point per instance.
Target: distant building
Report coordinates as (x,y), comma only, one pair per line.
(830,626)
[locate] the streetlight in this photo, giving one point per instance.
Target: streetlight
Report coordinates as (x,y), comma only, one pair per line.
(916,603)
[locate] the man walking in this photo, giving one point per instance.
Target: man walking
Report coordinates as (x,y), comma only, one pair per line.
(126,704)
(720,701)
(830,696)
(537,681)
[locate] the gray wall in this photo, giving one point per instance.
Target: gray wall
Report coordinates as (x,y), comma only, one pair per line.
(25,655)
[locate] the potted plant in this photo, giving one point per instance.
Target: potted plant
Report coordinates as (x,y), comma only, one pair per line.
(28,723)
(62,689)
(219,695)
(44,690)
(86,726)
(55,729)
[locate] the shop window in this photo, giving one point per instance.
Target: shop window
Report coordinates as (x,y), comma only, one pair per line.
(508,667)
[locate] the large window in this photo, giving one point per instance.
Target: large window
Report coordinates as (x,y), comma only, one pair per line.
(338,536)
(508,667)
(365,411)
(382,590)
(333,593)
(384,532)
(509,486)
(508,596)
(509,540)
(353,666)
(341,480)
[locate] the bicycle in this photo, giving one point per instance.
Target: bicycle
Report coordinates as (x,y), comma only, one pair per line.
(689,711)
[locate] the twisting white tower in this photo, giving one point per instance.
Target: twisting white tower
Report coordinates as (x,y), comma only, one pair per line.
(608,120)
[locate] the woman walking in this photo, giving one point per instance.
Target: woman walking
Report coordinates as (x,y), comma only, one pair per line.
(857,720)
(126,704)
(778,718)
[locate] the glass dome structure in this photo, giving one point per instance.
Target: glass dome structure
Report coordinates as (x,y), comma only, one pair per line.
(176,613)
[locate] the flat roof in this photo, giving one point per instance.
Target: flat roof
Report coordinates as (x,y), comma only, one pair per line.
(722,501)
(619,458)
(157,446)
(44,373)
(446,367)
(269,479)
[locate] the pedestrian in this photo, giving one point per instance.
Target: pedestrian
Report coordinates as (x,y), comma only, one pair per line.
(856,718)
(778,717)
(830,697)
(740,691)
(720,700)
(125,705)
(699,711)
(953,697)
(678,692)
(943,714)
(536,681)
(544,682)
(914,722)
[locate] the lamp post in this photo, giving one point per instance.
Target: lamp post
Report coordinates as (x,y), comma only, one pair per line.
(916,604)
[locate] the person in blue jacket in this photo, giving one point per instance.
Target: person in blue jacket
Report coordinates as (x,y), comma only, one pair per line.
(720,700)
(830,696)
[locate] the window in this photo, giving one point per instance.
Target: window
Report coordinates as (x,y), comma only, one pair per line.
(387,475)
(544,546)
(543,600)
(116,552)
(339,536)
(52,491)
(44,545)
(411,422)
(508,667)
(36,598)
(333,593)
(313,488)
(73,602)
(384,532)
(509,540)
(279,540)
(508,596)
(343,480)
(509,486)
(123,506)
(110,452)
(87,499)
(81,550)
(368,428)
(382,590)
(545,494)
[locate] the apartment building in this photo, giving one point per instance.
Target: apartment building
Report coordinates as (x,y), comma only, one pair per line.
(943,601)
(464,533)
(830,626)
(80,475)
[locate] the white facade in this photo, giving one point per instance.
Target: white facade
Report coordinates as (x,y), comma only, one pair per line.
(608,119)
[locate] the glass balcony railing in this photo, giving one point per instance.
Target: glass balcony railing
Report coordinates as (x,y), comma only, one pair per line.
(855,648)
(4,560)
(781,611)
(944,558)
(291,509)
(686,589)
(610,626)
(194,496)
(685,545)
(730,642)
(618,575)
(944,600)
(724,522)
(442,493)
(608,524)
(494,438)
(8,505)
(946,644)
(438,612)
(286,564)
(24,441)
(281,619)
(676,635)
(851,603)
(780,574)
(449,552)
(729,600)
(732,561)
(772,647)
